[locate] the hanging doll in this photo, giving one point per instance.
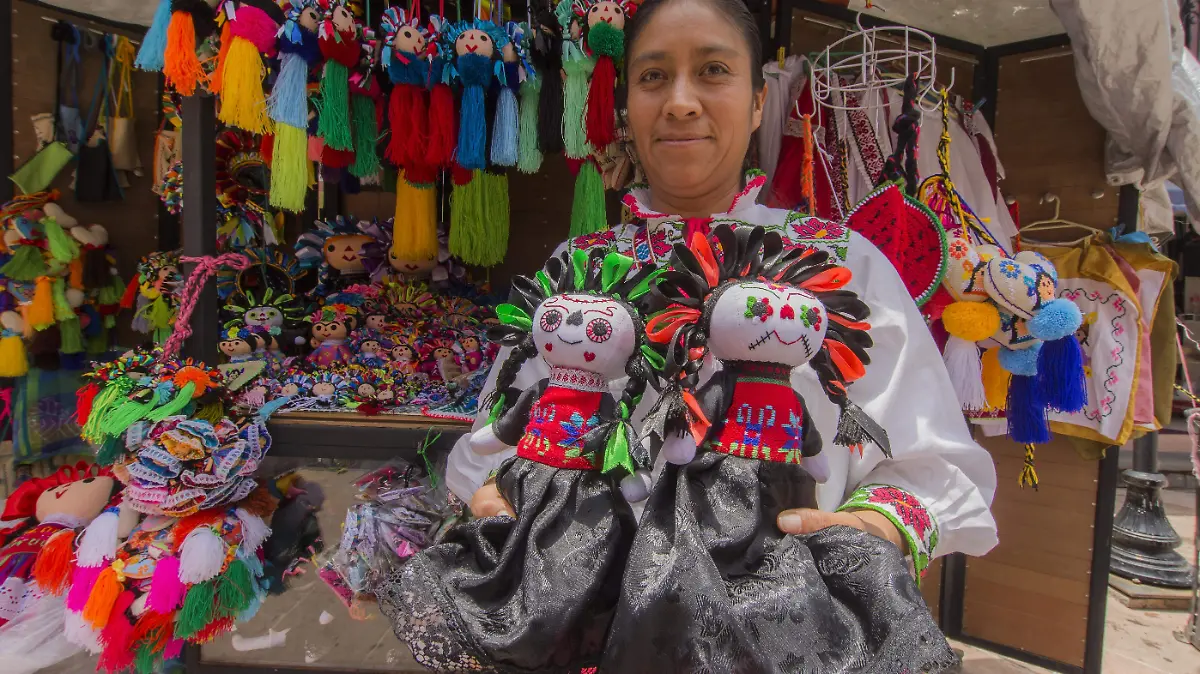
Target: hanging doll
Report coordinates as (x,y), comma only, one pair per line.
(505,123)
(475,44)
(365,99)
(288,106)
(547,50)
(529,154)
(708,558)
(443,117)
(335,248)
(252,27)
(554,570)
(404,59)
(188,25)
(338,38)
(605,40)
(155,290)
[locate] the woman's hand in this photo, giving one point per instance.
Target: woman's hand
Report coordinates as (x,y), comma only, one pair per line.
(807,521)
(487,502)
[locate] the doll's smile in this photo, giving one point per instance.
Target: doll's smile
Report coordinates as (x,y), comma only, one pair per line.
(578,341)
(802,339)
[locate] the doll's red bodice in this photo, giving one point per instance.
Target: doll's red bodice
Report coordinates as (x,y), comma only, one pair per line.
(765,419)
(568,409)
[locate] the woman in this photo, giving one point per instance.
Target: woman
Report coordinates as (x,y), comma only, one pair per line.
(695,97)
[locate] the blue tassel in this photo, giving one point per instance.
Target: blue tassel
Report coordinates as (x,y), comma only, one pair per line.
(1060,375)
(1026,411)
(504,130)
(288,103)
(154,44)
(472,130)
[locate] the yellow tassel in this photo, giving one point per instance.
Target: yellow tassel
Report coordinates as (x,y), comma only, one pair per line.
(41,309)
(13,362)
(243,104)
(104,594)
(76,268)
(414,233)
(995,380)
(1029,476)
(52,569)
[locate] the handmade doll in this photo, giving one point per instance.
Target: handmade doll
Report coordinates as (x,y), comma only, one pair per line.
(605,40)
(369,347)
(529,154)
(335,248)
(331,325)
(505,123)
(365,100)
(155,289)
(469,350)
(404,59)
(402,358)
(708,558)
(237,344)
(554,571)
(338,38)
(475,45)
(443,117)
(384,261)
(252,28)
(288,104)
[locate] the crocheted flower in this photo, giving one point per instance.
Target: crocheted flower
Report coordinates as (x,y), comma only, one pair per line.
(1009,268)
(816,228)
(907,507)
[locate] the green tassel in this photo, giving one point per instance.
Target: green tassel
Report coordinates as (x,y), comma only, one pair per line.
(212,412)
(145,659)
(159,314)
(111,293)
(366,137)
(529,155)
(198,610)
(161,335)
(62,308)
(97,343)
(63,247)
(467,227)
(289,168)
(174,406)
(109,452)
(578,71)
(235,589)
(606,40)
(616,451)
(105,401)
(587,212)
(494,242)
(124,415)
(333,126)
(26,264)
(71,334)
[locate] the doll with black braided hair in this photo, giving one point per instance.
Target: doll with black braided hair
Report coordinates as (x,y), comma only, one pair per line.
(536,593)
(711,583)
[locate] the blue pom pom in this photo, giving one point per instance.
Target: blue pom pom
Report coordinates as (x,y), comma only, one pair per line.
(1060,375)
(1055,320)
(504,130)
(154,44)
(1020,362)
(1026,411)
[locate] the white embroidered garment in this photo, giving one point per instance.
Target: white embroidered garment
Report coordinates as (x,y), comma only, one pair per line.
(905,389)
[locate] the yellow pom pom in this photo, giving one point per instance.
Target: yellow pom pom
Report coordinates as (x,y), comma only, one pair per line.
(995,380)
(972,321)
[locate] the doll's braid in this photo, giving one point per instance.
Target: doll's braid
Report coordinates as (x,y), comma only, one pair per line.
(508,374)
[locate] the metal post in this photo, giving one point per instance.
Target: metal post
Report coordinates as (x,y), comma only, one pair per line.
(199,139)
(1144,541)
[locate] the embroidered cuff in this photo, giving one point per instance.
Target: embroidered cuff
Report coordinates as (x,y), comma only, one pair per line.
(906,512)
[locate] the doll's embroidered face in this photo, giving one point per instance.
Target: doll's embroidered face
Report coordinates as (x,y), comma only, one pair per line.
(411,267)
(235,347)
(442,352)
(342,19)
(470,344)
(408,40)
(370,346)
(585,332)
(608,12)
(376,321)
(385,394)
(402,353)
(290,390)
(344,253)
(475,41)
(269,317)
(768,323)
(79,500)
(309,20)
(366,390)
(326,330)
(324,389)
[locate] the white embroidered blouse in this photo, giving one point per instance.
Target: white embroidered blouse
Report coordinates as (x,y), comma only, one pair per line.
(939,484)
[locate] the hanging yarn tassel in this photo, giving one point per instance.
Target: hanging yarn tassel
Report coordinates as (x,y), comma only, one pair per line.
(1029,477)
(442,127)
(62,246)
(98,545)
(102,598)
(476,74)
(607,42)
(116,655)
(504,128)
(496,215)
(289,168)
(75,273)
(71,335)
(288,108)
(235,589)
(41,309)
(407,113)
(26,264)
(341,50)
(83,579)
(1060,363)
(966,373)
(466,219)
(166,590)
(154,42)
(529,156)
(191,22)
(199,608)
(243,104)
(13,360)
(52,569)
(587,211)
(575,98)
(414,230)
(366,137)
(201,557)
(1025,407)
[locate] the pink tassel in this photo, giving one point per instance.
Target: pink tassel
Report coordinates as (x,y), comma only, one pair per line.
(166,591)
(82,581)
(173,649)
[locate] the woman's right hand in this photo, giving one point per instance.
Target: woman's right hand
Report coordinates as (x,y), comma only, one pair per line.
(487,502)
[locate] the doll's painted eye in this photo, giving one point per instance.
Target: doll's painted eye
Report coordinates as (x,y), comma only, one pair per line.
(551,320)
(599,330)
(331,248)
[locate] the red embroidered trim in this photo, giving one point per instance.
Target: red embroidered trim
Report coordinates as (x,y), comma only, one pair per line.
(577,380)
(753,185)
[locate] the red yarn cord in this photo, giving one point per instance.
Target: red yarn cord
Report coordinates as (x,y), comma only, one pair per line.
(206,266)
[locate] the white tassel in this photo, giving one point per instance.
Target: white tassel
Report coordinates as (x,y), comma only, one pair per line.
(98,545)
(77,631)
(254,531)
(966,373)
(202,556)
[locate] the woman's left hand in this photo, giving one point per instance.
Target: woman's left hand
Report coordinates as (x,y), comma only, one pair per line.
(807,521)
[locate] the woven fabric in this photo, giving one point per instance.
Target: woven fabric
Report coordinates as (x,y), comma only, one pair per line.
(557,425)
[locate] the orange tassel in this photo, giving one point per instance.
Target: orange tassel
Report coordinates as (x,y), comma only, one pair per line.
(104,595)
(215,80)
(52,569)
(41,309)
(76,270)
(181,66)
(806,167)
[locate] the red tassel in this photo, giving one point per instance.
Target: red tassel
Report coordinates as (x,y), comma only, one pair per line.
(115,637)
(83,402)
(267,147)
(337,158)
(420,174)
(213,630)
(460,175)
(601,108)
(406,117)
(443,131)
(417,124)
(130,295)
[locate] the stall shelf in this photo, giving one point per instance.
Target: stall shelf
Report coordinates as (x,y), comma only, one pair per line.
(353,436)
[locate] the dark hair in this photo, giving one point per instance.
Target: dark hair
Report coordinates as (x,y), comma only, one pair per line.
(734,10)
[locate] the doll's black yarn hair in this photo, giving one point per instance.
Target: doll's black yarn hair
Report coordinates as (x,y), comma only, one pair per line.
(594,272)
(700,273)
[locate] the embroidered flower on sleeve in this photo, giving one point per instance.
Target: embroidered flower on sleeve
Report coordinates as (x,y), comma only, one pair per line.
(816,228)
(958,249)
(905,511)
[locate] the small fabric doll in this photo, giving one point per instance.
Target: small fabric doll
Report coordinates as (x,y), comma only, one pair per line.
(552,573)
(237,344)
(708,558)
(288,104)
(605,40)
(338,38)
(331,325)
(404,60)
(443,117)
(335,248)
(475,45)
(369,348)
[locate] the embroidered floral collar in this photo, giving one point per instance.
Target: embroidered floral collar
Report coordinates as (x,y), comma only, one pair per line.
(638,199)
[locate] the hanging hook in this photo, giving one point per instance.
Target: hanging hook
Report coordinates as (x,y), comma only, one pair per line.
(1050,196)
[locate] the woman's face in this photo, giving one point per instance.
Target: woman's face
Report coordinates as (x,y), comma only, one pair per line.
(692,105)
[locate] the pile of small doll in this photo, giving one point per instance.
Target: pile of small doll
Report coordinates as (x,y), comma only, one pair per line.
(59,288)
(159,543)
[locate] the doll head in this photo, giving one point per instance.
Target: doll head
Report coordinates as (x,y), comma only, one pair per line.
(475,41)
(585,332)
(403,34)
(402,353)
(417,268)
(236,341)
(605,11)
(328,384)
(337,14)
(344,252)
(469,343)
(296,385)
(333,322)
(334,247)
(72,495)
